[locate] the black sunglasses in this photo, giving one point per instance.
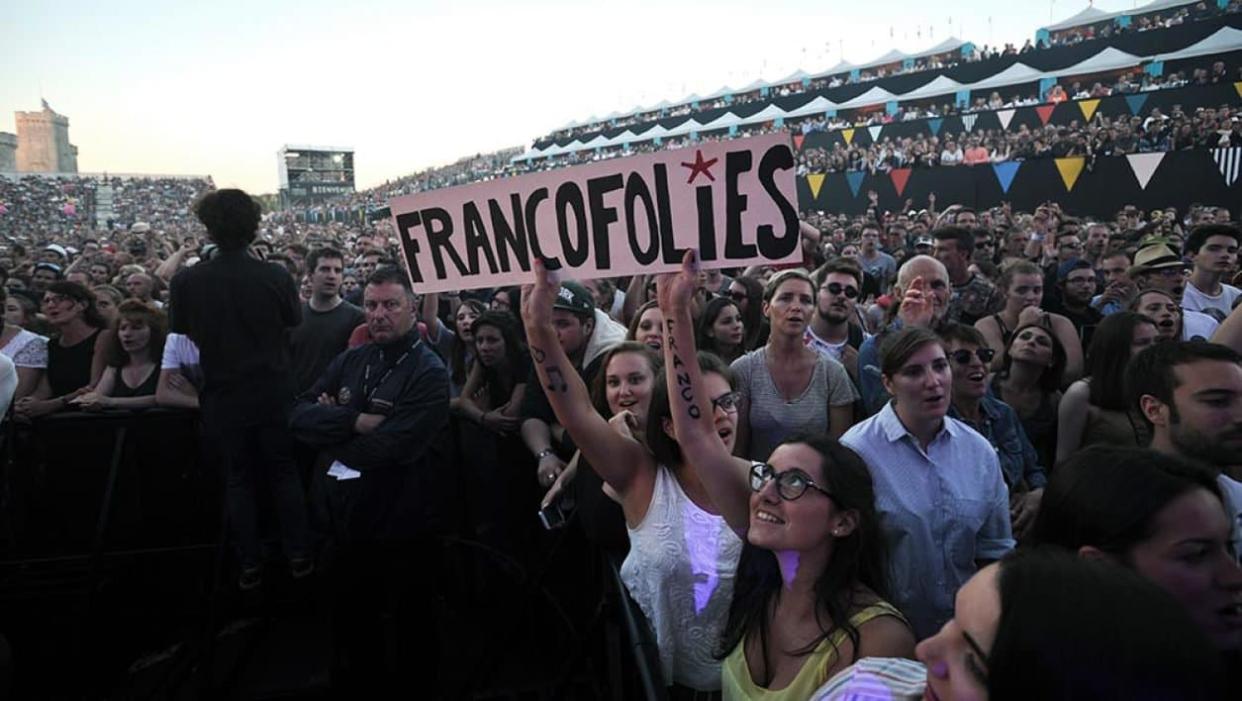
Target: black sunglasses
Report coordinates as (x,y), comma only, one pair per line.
(962,356)
(836,288)
(790,484)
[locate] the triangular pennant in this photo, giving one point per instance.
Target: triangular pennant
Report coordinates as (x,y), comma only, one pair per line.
(1088,108)
(968,121)
(1005,116)
(900,176)
(934,125)
(1005,173)
(855,178)
(1070,168)
(815,181)
(1144,166)
(848,135)
(1238,86)
(798,139)
(1045,113)
(1136,102)
(875,132)
(1229,160)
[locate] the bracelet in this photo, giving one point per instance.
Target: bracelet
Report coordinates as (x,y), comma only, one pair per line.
(544,453)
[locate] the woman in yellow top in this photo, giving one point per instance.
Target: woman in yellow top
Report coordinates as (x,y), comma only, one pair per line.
(810,587)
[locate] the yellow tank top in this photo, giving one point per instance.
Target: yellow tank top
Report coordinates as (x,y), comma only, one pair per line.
(736,683)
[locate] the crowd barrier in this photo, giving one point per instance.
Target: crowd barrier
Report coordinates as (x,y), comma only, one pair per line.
(1097,187)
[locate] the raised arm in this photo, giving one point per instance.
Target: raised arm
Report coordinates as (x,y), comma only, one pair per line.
(621,462)
(1072,419)
(724,475)
(430,317)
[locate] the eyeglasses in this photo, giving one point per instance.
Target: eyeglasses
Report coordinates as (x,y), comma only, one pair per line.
(727,402)
(790,484)
(53,300)
(962,356)
(836,288)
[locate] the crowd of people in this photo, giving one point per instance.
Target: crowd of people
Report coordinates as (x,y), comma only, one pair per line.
(811,476)
(1204,9)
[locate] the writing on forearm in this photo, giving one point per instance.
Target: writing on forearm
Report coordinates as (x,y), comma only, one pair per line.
(683,378)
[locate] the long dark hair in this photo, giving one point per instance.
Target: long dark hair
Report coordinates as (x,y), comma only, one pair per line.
(80,293)
(1073,628)
(1050,378)
(1107,357)
(457,353)
(707,319)
(752,319)
(858,559)
(663,448)
(516,358)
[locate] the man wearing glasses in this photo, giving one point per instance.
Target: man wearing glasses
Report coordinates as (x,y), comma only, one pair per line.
(834,331)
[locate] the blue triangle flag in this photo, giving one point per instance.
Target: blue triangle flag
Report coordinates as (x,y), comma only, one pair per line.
(934,125)
(1136,102)
(855,178)
(1005,173)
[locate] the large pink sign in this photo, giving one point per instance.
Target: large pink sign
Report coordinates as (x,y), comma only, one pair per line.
(735,202)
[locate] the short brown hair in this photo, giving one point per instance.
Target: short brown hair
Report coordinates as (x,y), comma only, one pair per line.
(134,310)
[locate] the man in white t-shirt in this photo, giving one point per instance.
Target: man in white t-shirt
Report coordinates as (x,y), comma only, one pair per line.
(1190,395)
(181,376)
(831,331)
(1213,249)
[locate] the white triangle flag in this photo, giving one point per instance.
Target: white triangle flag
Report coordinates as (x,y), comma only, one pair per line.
(1006,116)
(968,120)
(1144,166)
(875,133)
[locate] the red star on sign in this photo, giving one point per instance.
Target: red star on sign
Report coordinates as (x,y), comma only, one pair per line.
(700,166)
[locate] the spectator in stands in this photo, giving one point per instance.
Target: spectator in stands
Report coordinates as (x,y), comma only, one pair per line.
(1119,289)
(1094,409)
(915,452)
(666,508)
(141,287)
(836,330)
(493,393)
(785,386)
(248,380)
(76,357)
(607,297)
(1023,286)
(133,356)
(26,349)
(873,261)
(181,373)
(1172,323)
(1190,396)
(1077,285)
(995,420)
(43,276)
(747,293)
(973,297)
(1044,624)
(327,319)
(809,521)
(454,346)
(1213,250)
(506,299)
(1029,380)
(647,327)
(584,333)
(720,330)
(1167,524)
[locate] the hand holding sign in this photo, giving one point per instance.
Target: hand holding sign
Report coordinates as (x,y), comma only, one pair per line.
(537,301)
(675,290)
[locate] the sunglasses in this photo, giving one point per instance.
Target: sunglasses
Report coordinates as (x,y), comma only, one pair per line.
(962,356)
(790,484)
(836,288)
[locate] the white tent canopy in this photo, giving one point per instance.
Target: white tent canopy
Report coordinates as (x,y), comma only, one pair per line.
(685,128)
(1091,15)
(1016,74)
(1221,41)
(942,85)
(769,113)
(724,121)
(874,96)
(1109,59)
(816,106)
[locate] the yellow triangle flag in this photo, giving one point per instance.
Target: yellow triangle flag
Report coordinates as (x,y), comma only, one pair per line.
(1070,169)
(1088,108)
(816,181)
(1238,86)
(848,135)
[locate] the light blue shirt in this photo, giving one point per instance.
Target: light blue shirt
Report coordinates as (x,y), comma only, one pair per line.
(940,511)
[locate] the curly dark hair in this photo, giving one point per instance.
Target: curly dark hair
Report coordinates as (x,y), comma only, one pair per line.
(231,217)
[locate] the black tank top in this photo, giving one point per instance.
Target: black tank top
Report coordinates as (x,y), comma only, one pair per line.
(69,368)
(145,389)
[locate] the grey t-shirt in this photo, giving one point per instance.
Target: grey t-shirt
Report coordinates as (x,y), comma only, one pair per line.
(772,419)
(319,339)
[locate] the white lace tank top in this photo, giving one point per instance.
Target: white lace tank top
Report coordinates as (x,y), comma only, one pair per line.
(680,571)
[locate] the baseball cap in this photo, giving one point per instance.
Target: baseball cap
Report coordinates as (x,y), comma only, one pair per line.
(574,298)
(56,248)
(924,241)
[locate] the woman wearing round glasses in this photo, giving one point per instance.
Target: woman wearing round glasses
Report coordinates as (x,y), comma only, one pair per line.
(811,582)
(683,556)
(786,387)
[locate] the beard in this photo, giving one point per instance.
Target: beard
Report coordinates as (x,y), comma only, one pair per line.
(833,317)
(1217,451)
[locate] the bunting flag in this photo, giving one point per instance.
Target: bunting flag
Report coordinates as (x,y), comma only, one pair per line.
(816,182)
(1229,160)
(1005,116)
(1238,86)
(798,139)
(1070,168)
(1144,166)
(1005,172)
(1088,108)
(1045,113)
(848,135)
(968,121)
(934,125)
(855,178)
(875,133)
(900,177)
(1136,102)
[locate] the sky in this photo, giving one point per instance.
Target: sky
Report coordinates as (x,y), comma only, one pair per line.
(216,88)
